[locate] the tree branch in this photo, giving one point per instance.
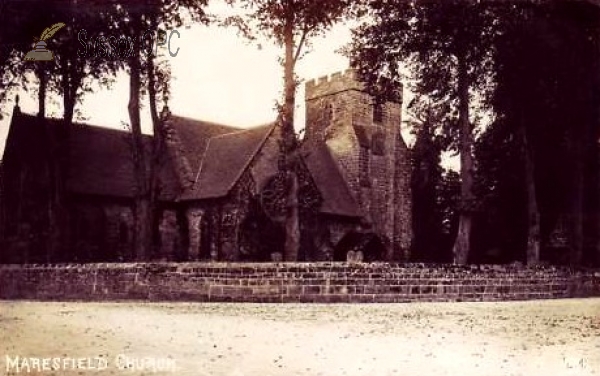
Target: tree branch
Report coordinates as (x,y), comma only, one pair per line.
(301,43)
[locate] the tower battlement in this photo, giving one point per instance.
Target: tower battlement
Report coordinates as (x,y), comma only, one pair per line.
(336,83)
(331,84)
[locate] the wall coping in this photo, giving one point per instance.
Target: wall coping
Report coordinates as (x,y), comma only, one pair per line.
(179,266)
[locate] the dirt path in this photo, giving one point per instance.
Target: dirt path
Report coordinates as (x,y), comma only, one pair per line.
(560,337)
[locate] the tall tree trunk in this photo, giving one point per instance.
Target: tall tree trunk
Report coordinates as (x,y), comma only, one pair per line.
(533,213)
(462,245)
(157,142)
(142,227)
(292,226)
(70,83)
(52,165)
(69,99)
(594,185)
(43,77)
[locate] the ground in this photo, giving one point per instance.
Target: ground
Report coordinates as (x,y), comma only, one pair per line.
(557,337)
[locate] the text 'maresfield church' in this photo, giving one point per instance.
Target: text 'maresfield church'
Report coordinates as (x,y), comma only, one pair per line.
(221,192)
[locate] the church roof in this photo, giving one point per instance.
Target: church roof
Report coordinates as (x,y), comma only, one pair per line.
(225,159)
(100,160)
(101,163)
(328,178)
(194,135)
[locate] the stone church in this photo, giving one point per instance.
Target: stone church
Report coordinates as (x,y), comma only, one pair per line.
(222,191)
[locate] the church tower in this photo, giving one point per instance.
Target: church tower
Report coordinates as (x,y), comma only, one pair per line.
(365,140)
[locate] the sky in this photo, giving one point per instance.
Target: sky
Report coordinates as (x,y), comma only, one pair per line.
(218,76)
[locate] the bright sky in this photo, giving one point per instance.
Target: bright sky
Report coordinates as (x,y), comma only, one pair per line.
(218,76)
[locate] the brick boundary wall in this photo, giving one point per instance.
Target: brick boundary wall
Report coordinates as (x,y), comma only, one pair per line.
(293,282)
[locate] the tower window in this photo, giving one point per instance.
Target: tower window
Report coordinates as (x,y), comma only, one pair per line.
(377,113)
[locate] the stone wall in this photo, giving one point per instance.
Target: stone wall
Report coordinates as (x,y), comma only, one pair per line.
(293,282)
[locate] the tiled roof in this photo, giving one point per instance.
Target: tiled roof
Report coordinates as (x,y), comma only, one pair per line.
(194,135)
(100,158)
(101,163)
(226,157)
(337,198)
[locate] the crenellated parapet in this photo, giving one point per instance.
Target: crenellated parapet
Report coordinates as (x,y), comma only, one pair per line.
(332,84)
(337,83)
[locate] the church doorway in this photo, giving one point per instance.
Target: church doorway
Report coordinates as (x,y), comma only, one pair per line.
(369,244)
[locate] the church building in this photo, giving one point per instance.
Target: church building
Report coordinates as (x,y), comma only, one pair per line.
(222,193)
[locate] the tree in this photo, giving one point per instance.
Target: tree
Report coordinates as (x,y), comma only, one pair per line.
(93,56)
(70,75)
(291,24)
(426,176)
(447,47)
(137,20)
(511,100)
(501,226)
(448,201)
(71,67)
(13,37)
(547,96)
(158,76)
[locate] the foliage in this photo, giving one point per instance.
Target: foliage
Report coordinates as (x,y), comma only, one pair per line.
(134,19)
(425,37)
(426,179)
(309,18)
(447,47)
(548,60)
(500,230)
